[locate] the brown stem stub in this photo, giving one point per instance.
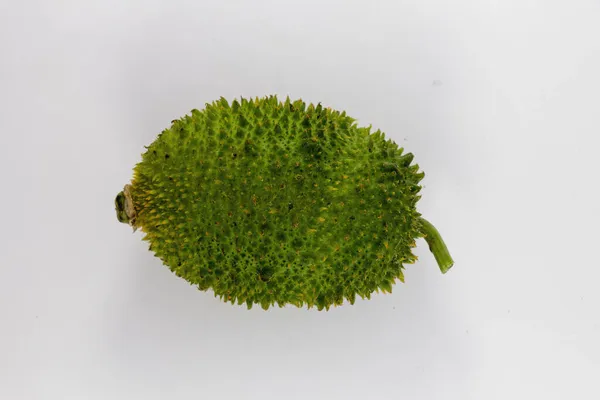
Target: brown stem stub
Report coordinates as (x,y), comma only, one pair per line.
(129,208)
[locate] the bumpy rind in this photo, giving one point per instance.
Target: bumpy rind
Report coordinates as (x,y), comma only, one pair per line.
(278,202)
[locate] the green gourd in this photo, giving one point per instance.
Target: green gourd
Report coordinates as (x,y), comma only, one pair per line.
(279,202)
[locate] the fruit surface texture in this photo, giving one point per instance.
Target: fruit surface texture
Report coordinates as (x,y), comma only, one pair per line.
(275,202)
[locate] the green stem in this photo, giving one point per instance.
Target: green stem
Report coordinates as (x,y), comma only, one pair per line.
(436,246)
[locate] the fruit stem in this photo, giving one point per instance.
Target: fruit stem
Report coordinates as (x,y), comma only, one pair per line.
(436,245)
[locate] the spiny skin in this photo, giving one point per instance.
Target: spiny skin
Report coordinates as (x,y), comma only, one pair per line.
(269,202)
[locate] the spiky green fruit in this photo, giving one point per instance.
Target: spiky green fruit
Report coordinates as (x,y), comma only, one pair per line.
(269,202)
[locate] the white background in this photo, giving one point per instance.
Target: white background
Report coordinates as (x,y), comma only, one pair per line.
(499,102)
